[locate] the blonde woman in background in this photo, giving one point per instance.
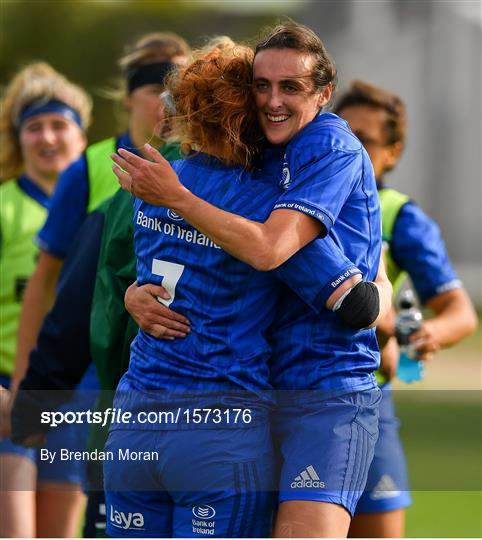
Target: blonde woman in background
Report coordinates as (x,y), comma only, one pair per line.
(43,118)
(89,181)
(82,190)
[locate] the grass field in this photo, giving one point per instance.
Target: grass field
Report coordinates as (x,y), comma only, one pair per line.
(445,514)
(443,446)
(441,427)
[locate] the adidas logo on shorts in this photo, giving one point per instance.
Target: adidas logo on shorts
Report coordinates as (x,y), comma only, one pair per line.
(307,479)
(385,489)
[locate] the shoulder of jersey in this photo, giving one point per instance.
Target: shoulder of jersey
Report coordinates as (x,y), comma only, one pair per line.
(102,142)
(329,130)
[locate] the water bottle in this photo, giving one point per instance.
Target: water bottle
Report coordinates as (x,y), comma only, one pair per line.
(409,320)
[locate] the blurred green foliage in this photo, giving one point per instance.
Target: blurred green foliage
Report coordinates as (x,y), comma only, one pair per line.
(84,38)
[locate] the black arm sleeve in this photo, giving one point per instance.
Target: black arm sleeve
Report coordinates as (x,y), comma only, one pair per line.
(361,306)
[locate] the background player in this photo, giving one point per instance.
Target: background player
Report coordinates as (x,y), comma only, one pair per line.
(65,333)
(89,181)
(43,120)
(416,248)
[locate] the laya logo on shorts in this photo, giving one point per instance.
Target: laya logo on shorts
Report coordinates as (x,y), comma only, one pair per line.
(204,511)
(134,521)
(307,479)
(172,215)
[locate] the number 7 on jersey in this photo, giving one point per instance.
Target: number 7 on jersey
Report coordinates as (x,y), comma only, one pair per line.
(171,273)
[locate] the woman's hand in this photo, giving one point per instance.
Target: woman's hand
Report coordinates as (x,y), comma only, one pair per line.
(152,316)
(425,341)
(155,182)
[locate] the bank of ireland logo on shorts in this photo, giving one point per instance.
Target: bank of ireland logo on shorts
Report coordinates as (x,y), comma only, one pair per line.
(132,521)
(204,511)
(203,521)
(307,479)
(285,175)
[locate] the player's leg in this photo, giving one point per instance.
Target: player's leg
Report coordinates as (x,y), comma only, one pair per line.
(311,519)
(60,497)
(59,509)
(327,447)
(18,481)
(389,524)
(18,478)
(381,509)
(60,500)
(38,498)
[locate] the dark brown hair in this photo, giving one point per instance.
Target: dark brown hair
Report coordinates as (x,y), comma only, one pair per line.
(214,102)
(363,93)
(298,37)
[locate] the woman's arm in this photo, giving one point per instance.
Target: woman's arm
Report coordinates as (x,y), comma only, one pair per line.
(455,318)
(385,291)
(366,304)
(264,246)
(417,246)
(161,322)
(389,356)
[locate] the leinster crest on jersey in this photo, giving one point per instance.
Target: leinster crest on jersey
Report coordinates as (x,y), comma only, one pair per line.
(285,181)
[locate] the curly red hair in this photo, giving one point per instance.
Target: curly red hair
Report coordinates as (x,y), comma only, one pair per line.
(214,103)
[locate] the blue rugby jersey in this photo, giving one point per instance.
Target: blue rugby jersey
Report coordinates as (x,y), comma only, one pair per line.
(69,205)
(230,304)
(227,301)
(314,272)
(417,247)
(328,175)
